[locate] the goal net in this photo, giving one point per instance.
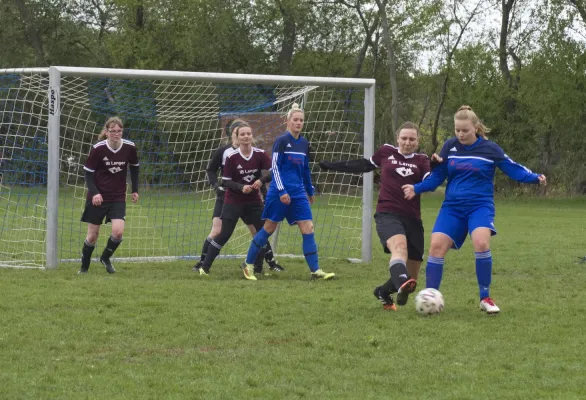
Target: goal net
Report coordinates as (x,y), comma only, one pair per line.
(176,121)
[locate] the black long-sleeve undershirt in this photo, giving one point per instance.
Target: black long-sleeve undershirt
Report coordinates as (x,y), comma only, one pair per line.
(266,177)
(91,184)
(230,184)
(354,166)
(215,164)
(134,178)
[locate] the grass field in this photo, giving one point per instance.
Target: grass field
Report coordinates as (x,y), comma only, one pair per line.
(168,224)
(155,331)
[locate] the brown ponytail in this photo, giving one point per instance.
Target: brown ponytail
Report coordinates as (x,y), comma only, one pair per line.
(407,125)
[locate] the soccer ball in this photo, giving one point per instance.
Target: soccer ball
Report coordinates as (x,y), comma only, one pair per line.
(429,301)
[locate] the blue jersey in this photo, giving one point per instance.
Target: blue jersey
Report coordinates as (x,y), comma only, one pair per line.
(470,171)
(290,167)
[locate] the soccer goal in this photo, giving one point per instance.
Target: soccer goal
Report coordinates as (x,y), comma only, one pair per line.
(50,117)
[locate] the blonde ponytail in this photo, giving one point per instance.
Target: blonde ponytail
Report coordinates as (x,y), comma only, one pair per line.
(466,113)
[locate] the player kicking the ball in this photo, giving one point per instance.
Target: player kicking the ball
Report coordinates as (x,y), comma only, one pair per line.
(398,221)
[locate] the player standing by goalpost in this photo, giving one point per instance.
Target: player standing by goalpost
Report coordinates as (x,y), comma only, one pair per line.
(242,175)
(105,176)
(218,162)
(290,195)
(398,221)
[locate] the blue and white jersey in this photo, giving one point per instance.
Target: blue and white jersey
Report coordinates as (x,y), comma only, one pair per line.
(470,171)
(290,167)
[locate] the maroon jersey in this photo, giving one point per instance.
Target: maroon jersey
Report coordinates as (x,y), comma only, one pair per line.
(398,170)
(110,168)
(245,171)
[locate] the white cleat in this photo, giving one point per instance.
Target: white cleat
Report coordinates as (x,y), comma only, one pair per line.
(488,306)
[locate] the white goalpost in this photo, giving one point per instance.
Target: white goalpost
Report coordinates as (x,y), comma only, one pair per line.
(50,117)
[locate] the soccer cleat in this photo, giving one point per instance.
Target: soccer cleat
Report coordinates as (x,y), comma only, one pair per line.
(248,271)
(197,266)
(259,271)
(108,265)
(320,274)
(85,265)
(488,306)
(202,271)
(406,288)
(276,267)
(83,269)
(388,303)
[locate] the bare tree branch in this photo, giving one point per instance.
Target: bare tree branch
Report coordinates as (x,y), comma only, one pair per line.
(581,7)
(289,38)
(507,7)
(392,64)
(450,56)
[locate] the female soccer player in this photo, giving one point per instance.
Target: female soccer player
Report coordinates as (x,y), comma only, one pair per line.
(469,161)
(398,221)
(217,163)
(289,196)
(242,176)
(105,177)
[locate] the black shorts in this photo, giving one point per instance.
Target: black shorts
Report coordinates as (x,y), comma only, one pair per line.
(249,213)
(218,207)
(390,224)
(95,214)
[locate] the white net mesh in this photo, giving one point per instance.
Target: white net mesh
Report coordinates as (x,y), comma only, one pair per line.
(176,126)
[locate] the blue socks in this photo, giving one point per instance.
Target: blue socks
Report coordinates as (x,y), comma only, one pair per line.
(435,269)
(309,248)
(310,251)
(258,242)
(483,272)
(434,272)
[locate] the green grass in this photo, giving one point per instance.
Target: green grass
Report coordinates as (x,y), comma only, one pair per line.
(161,224)
(159,331)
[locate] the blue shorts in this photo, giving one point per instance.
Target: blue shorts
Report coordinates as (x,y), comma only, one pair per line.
(456,223)
(298,210)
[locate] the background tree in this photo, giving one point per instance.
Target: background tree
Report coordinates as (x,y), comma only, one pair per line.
(521,64)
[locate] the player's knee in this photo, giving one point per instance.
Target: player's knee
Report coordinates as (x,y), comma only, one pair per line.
(91,239)
(270,226)
(117,231)
(117,235)
(438,249)
(306,227)
(480,244)
(216,227)
(397,248)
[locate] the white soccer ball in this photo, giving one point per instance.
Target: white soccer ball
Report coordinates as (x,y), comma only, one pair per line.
(429,301)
